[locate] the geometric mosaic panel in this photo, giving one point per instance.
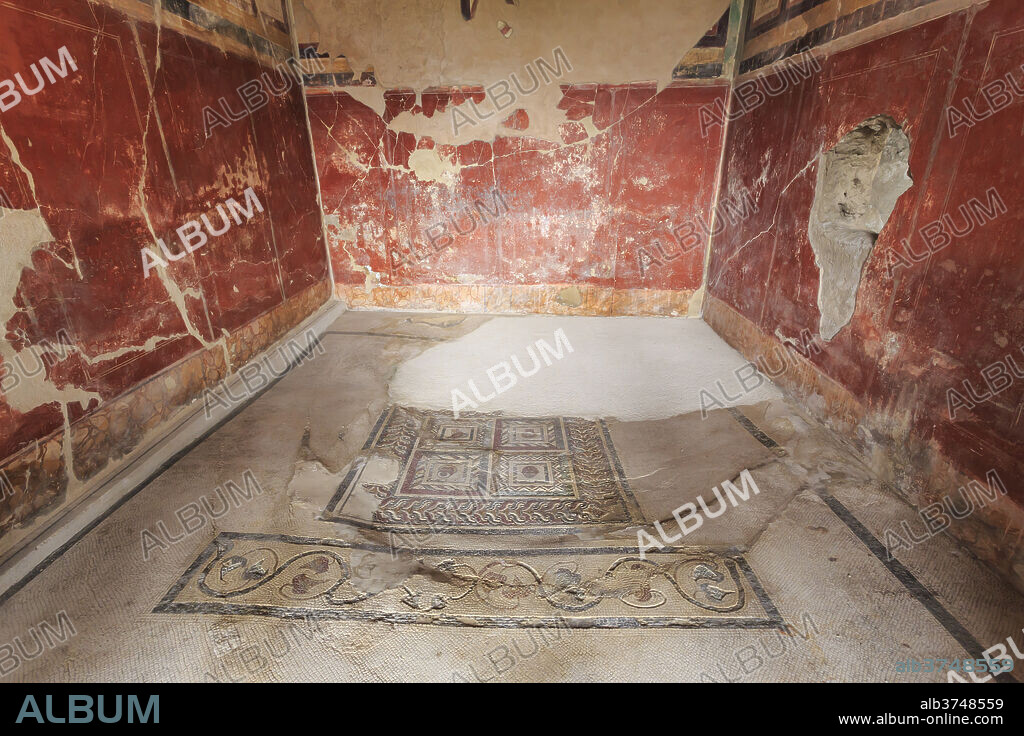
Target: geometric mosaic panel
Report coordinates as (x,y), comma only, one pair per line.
(423,471)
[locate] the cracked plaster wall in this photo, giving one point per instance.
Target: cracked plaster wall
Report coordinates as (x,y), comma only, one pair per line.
(918,329)
(98,165)
(596,168)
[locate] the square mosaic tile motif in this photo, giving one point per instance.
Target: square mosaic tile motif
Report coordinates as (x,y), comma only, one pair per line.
(484,474)
(291,577)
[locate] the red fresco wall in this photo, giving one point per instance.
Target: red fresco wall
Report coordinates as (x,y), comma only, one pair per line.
(104,166)
(931,325)
(579,210)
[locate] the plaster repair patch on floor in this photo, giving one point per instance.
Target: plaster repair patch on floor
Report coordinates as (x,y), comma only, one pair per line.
(295,577)
(659,368)
(426,471)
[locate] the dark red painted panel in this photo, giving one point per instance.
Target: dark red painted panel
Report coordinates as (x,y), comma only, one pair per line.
(117,153)
(577,211)
(929,327)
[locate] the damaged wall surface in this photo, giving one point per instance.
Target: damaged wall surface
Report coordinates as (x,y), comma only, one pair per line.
(859,182)
(459,172)
(589,179)
(429,44)
(934,352)
(103,161)
(593,212)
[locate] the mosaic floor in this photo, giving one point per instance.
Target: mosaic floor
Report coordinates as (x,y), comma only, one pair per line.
(487,474)
(390,543)
(291,577)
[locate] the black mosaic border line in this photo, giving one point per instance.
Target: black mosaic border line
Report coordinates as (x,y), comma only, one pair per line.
(169,604)
(164,467)
(756,432)
(493,622)
(391,335)
(532,531)
(915,587)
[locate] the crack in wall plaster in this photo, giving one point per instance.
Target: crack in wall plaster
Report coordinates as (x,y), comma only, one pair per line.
(350,235)
(721,270)
(23,232)
(158,19)
(174,292)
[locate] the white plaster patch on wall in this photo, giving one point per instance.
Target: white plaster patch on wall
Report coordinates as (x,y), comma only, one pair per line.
(629,368)
(372,97)
(22,232)
(343,237)
(452,127)
(427,165)
(347,233)
(858,184)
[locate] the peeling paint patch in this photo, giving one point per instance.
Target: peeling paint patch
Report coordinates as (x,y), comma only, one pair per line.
(427,165)
(22,232)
